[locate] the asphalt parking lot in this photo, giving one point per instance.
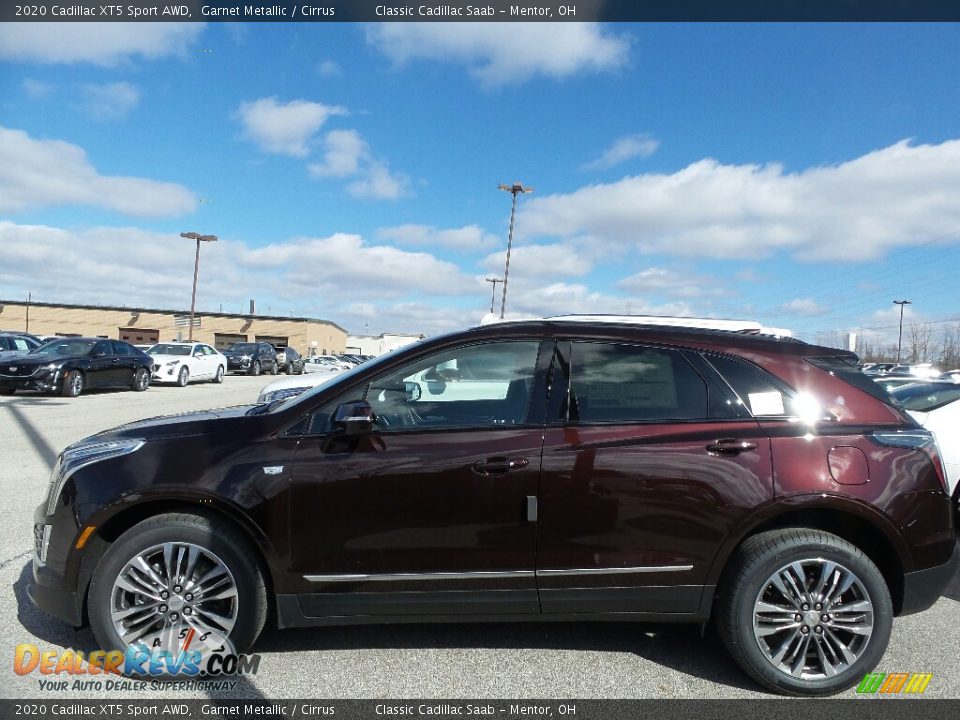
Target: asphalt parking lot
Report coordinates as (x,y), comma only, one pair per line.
(428,661)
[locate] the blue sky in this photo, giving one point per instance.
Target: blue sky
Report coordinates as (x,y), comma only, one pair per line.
(804,175)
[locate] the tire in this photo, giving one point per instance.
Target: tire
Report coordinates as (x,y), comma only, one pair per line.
(218,378)
(140,380)
(287,370)
(273,368)
(183,377)
(749,618)
(217,544)
(72,384)
(255,368)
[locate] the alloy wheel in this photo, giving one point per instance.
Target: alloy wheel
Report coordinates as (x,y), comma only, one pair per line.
(171,588)
(813,619)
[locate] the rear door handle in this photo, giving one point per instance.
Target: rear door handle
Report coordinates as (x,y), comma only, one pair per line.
(730,447)
(499,465)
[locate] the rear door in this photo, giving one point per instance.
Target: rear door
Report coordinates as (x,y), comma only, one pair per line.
(648,464)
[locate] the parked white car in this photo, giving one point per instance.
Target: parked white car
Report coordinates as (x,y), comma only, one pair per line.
(936,406)
(294,385)
(184,362)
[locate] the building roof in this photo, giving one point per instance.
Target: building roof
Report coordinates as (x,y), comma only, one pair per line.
(124,308)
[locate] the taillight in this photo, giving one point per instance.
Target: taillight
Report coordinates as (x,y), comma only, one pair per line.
(915,439)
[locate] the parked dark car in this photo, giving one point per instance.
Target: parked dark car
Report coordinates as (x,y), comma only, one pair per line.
(252,358)
(71,365)
(14,344)
(290,361)
(540,470)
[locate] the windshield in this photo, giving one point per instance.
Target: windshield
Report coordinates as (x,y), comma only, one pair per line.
(64,347)
(167,349)
(925,397)
(242,348)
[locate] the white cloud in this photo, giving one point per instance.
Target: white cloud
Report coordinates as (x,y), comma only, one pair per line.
(527,299)
(899,195)
(43,173)
(328,68)
(662,281)
(285,128)
(95,42)
(344,150)
(804,306)
(504,53)
(539,261)
(341,277)
(626,148)
(468,237)
(380,183)
(112,101)
(36,89)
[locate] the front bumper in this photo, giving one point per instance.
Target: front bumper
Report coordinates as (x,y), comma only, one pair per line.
(238,365)
(47,382)
(921,589)
(49,588)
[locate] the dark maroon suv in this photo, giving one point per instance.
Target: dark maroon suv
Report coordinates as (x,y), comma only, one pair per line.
(572,469)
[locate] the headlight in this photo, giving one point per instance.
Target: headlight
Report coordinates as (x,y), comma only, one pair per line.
(172,362)
(50,367)
(81,455)
(281,394)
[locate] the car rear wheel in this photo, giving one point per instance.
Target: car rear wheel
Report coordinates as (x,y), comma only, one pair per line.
(72,384)
(273,369)
(140,380)
(183,377)
(255,368)
(174,573)
(218,378)
(804,612)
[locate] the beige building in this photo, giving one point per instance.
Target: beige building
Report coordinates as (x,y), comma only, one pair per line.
(379,344)
(142,326)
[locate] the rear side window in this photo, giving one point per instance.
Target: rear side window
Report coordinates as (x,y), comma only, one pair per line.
(847,370)
(625,383)
(758,394)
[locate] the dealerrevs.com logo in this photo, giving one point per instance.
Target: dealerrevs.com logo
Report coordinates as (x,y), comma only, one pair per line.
(894,683)
(193,656)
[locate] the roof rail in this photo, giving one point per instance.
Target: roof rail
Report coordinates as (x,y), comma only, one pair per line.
(750,327)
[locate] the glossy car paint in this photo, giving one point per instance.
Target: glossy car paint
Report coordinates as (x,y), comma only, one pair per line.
(601,521)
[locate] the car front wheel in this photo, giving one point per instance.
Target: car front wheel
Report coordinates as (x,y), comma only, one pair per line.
(174,573)
(72,384)
(218,378)
(255,368)
(183,377)
(804,612)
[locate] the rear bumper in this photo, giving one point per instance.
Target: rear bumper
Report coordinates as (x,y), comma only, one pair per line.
(921,589)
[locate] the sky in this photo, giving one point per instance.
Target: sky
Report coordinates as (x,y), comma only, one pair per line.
(801,175)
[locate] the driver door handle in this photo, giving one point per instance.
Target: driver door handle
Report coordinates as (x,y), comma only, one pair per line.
(730,447)
(499,465)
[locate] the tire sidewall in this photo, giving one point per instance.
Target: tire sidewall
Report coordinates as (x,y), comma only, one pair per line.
(136,383)
(255,368)
(879,595)
(136,541)
(73,383)
(183,377)
(218,378)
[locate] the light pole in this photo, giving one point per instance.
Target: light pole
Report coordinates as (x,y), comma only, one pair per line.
(493,293)
(514,190)
(901,303)
(196,271)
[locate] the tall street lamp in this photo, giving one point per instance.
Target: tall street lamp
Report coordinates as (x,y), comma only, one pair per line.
(514,190)
(493,293)
(196,271)
(901,303)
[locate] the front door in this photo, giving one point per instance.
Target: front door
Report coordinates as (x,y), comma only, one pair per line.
(432,513)
(646,470)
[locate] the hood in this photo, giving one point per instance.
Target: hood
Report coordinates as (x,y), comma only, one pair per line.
(7,354)
(192,423)
(27,360)
(157,358)
(307,381)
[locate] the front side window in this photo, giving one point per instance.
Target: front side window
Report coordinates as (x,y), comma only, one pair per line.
(626,383)
(476,386)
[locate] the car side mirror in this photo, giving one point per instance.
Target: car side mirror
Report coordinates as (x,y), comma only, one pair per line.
(355,418)
(413,391)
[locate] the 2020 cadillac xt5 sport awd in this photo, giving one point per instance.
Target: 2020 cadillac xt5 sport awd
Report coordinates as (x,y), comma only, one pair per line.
(560,469)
